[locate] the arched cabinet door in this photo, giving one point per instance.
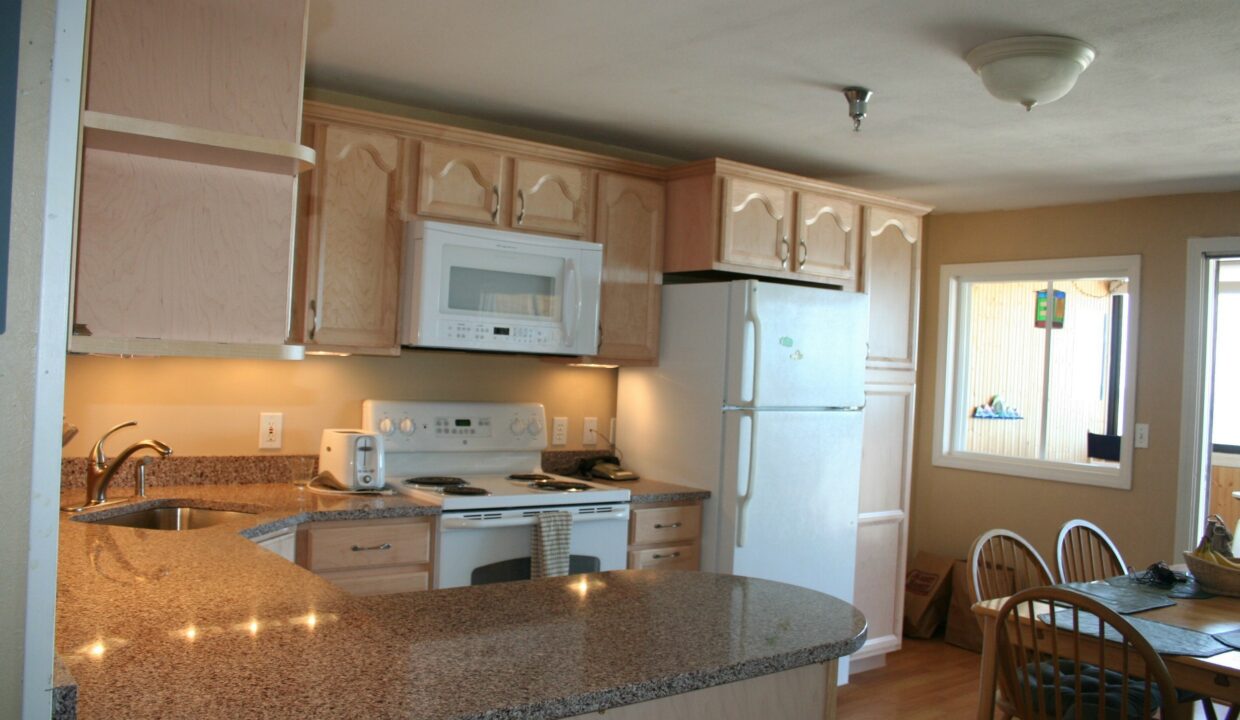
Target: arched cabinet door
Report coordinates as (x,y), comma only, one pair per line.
(550,197)
(630,228)
(353,241)
(755,227)
(892,278)
(826,238)
(460,182)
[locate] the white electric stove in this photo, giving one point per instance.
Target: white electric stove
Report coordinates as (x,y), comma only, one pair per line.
(482,463)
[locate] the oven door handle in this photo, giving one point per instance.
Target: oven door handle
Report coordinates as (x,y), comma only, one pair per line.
(460,523)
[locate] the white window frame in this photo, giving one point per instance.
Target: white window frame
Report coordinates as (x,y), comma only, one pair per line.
(950,386)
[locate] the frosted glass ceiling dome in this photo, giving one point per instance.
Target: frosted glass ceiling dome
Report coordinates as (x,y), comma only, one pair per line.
(1031,69)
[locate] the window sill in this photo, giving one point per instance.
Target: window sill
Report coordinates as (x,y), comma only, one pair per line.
(1107,475)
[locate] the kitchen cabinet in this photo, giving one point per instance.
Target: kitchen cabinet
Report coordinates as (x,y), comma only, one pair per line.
(369,557)
(188,179)
(891,276)
(550,197)
(461,182)
(728,217)
(349,241)
(629,226)
(665,535)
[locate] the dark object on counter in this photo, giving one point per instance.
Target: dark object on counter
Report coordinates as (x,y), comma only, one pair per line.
(606,467)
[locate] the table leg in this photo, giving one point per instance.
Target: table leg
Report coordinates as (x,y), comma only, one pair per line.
(986,683)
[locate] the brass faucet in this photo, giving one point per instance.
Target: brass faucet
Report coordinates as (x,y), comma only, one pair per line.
(99,471)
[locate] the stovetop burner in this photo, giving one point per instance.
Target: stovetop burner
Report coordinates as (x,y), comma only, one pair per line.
(560,485)
(464,490)
(435,481)
(530,476)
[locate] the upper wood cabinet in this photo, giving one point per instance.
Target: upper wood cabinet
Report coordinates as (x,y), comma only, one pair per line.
(629,225)
(826,237)
(461,182)
(350,235)
(724,216)
(892,279)
(550,197)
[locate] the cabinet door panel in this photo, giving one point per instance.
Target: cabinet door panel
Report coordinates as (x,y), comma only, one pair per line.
(880,585)
(355,252)
(893,281)
(461,183)
(885,451)
(550,197)
(630,228)
(826,237)
(755,224)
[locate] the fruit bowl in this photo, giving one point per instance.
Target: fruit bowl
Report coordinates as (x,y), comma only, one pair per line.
(1213,576)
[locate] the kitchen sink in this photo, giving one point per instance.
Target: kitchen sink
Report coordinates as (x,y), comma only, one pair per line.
(169,518)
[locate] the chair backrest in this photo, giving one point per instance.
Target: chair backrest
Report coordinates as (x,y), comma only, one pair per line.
(1084,553)
(1089,667)
(1001,563)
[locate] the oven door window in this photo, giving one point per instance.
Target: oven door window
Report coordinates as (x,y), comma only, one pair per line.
(502,284)
(519,569)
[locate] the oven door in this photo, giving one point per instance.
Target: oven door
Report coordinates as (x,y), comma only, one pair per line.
(479,547)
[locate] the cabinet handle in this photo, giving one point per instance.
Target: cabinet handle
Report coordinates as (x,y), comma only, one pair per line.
(521,211)
(784,248)
(666,526)
(384,546)
(804,254)
(656,556)
(314,319)
(495,210)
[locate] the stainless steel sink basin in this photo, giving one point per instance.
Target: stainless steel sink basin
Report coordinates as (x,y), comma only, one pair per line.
(169,518)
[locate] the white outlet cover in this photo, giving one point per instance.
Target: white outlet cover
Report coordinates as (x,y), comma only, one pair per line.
(1142,439)
(589,431)
(559,431)
(270,430)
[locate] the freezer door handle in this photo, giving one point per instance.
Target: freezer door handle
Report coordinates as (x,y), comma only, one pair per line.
(752,317)
(744,498)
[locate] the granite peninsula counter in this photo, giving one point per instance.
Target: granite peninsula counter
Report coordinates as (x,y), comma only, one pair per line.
(207,624)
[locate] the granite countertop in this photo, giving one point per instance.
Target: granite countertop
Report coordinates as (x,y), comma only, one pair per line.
(652,491)
(210,624)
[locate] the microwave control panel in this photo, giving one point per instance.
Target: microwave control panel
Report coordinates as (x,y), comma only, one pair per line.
(489,334)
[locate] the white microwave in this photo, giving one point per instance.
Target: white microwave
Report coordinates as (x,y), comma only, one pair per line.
(470,288)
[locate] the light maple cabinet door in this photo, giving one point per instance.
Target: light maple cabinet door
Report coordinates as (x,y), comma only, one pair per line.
(354,241)
(892,279)
(460,182)
(826,238)
(550,197)
(755,228)
(629,225)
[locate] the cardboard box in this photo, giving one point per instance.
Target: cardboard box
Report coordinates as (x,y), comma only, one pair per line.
(964,629)
(926,594)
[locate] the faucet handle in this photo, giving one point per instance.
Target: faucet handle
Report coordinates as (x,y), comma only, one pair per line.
(97,452)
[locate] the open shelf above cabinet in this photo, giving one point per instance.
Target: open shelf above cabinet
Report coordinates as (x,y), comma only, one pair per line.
(118,133)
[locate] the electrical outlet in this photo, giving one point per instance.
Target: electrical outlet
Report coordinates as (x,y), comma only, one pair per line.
(1142,439)
(589,431)
(270,430)
(559,431)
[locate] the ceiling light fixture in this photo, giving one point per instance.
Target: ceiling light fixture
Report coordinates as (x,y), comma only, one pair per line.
(1031,69)
(858,102)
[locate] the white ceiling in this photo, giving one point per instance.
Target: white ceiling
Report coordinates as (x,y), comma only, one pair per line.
(758,81)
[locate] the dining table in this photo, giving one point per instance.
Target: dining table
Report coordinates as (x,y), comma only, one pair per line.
(1216,676)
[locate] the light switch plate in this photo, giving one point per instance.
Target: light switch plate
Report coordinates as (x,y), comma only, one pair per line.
(1142,435)
(559,431)
(589,431)
(270,430)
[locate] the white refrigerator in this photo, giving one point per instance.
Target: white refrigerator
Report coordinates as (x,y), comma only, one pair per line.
(758,398)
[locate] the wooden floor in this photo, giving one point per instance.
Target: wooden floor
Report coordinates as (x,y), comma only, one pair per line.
(925,680)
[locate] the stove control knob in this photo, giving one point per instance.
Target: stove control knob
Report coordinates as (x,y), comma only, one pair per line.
(385,426)
(517,426)
(407,426)
(534,427)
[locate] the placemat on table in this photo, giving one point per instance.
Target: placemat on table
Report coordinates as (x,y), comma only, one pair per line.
(1189,590)
(1123,600)
(1231,638)
(1166,639)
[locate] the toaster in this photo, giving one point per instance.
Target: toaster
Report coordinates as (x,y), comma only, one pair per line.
(351,459)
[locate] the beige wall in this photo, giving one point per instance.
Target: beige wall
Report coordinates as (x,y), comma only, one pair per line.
(951,507)
(211,407)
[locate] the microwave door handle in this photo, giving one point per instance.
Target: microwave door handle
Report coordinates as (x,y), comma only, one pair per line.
(570,328)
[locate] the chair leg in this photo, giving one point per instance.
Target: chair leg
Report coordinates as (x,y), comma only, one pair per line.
(1208,706)
(1234,713)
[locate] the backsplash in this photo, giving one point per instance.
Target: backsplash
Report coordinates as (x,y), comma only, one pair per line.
(246,469)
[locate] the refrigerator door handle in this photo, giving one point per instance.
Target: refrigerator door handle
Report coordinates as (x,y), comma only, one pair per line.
(752,317)
(743,500)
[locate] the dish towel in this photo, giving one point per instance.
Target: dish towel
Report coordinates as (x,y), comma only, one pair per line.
(553,532)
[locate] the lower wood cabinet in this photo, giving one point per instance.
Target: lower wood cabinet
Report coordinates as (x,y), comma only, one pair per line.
(370,557)
(667,536)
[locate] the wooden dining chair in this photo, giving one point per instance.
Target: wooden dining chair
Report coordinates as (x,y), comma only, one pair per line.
(1002,563)
(1094,664)
(1084,553)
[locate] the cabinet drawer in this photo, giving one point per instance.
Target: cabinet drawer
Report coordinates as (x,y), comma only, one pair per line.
(665,524)
(674,557)
(334,546)
(380,581)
